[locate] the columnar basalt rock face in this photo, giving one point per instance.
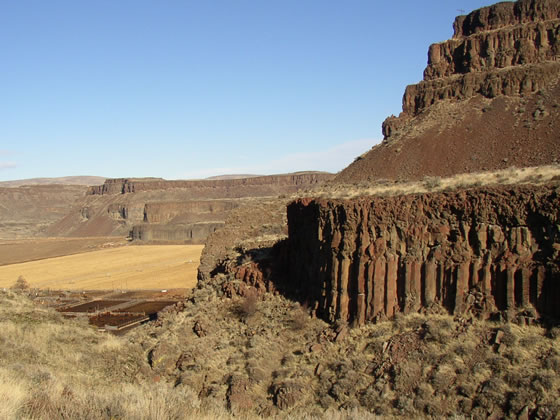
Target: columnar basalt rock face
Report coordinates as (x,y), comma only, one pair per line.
(478,252)
(505,14)
(509,81)
(118,211)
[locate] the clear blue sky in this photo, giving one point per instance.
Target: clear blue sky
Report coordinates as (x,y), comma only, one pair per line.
(185,89)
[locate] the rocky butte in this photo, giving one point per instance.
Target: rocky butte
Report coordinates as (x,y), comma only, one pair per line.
(489,99)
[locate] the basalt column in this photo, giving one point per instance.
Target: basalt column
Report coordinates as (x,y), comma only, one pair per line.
(478,252)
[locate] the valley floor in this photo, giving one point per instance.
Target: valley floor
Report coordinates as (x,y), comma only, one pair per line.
(123,267)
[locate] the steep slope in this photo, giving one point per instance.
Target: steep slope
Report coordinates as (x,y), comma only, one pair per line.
(489,100)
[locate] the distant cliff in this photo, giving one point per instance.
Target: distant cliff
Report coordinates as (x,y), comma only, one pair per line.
(231,187)
(154,209)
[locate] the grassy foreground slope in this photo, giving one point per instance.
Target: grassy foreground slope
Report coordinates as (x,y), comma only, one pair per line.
(55,368)
(129,267)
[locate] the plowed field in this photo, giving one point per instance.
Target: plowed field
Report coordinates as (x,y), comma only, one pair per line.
(127,267)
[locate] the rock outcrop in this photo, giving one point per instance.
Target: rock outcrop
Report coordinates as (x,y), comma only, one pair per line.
(491,91)
(505,49)
(474,252)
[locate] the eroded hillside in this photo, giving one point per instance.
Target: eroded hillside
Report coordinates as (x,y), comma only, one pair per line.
(27,211)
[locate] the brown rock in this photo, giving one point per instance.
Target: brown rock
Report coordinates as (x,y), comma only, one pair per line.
(315,348)
(523,414)
(498,337)
(287,395)
(501,57)
(238,395)
(341,334)
(199,329)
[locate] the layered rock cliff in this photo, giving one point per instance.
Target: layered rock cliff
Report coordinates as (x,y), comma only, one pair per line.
(491,92)
(226,187)
(194,233)
(183,211)
(154,209)
(474,252)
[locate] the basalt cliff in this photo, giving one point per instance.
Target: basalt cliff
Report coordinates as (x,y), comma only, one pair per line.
(481,252)
(488,99)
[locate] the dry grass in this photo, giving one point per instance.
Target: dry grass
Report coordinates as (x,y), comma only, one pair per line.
(533,175)
(56,368)
(414,367)
(130,267)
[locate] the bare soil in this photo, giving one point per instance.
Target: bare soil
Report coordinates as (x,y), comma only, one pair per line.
(114,320)
(24,250)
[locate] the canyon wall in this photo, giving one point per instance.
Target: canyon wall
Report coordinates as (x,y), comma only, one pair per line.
(228,187)
(479,252)
(194,233)
(168,211)
(155,209)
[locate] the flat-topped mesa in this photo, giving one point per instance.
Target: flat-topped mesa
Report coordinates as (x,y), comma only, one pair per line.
(124,185)
(474,253)
(504,49)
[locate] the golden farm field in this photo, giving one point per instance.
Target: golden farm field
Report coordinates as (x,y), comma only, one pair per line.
(127,267)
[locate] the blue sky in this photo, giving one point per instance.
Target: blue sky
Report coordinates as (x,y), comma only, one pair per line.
(189,89)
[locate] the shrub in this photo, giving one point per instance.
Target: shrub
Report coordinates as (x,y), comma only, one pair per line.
(432,182)
(299,319)
(247,307)
(21,284)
